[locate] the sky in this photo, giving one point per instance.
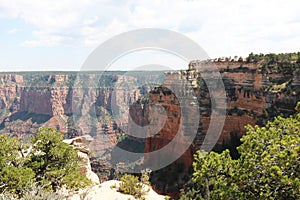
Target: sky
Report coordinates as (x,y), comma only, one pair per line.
(60,35)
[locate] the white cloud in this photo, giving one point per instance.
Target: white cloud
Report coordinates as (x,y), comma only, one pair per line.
(44,39)
(12,31)
(93,35)
(9,9)
(221,27)
(91,20)
(53,16)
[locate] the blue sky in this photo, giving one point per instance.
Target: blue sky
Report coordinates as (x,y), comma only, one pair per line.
(59,35)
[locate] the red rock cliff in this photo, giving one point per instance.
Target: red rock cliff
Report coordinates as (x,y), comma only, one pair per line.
(251,99)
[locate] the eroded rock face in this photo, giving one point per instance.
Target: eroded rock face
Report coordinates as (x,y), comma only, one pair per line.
(52,100)
(251,98)
(36,101)
(80,144)
(10,88)
(165,98)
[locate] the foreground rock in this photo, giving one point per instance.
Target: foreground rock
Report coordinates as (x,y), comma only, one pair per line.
(107,191)
(98,191)
(81,145)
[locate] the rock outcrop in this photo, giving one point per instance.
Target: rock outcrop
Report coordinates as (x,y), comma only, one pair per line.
(105,190)
(80,144)
(252,97)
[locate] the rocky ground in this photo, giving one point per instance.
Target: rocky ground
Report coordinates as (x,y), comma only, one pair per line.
(107,190)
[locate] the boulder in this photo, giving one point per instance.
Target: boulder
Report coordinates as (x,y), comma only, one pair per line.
(81,145)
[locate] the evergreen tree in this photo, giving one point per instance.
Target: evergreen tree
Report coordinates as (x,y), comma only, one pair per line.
(268,168)
(14,176)
(47,162)
(55,162)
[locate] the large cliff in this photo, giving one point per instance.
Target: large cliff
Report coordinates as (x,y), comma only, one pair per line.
(254,95)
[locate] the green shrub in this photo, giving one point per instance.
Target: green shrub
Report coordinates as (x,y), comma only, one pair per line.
(145,178)
(297,108)
(113,186)
(131,185)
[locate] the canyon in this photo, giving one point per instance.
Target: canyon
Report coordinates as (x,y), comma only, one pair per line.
(109,105)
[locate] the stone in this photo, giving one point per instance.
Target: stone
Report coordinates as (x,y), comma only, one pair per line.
(80,144)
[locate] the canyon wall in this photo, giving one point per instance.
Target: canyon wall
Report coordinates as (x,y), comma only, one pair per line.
(67,101)
(252,97)
(82,104)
